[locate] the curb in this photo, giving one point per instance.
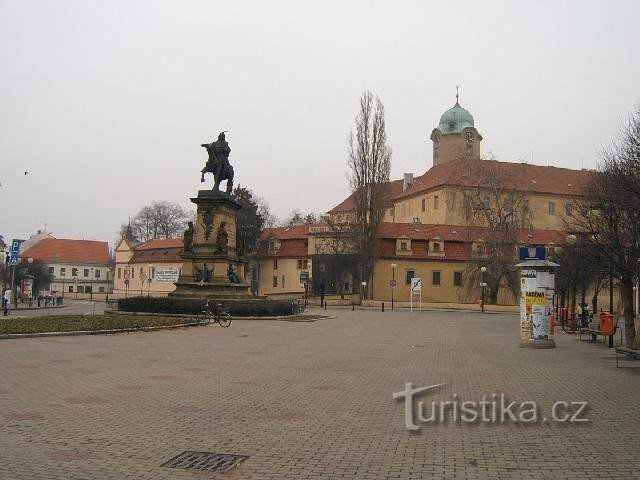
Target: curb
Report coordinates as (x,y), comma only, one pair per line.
(9,336)
(185,315)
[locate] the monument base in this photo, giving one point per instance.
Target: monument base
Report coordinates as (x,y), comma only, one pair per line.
(546,343)
(212,290)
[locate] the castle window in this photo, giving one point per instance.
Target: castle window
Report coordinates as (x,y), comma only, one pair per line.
(435,202)
(469,150)
(552,208)
(435,277)
(403,246)
(275,281)
(424,204)
(275,265)
(410,275)
(436,246)
(457,279)
(452,125)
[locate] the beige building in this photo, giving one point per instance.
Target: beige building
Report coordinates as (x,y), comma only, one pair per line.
(149,268)
(282,261)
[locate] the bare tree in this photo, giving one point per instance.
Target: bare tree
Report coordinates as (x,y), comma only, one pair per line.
(609,220)
(157,220)
(495,211)
(369,168)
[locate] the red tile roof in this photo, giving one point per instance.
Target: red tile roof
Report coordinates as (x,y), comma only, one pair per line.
(61,250)
(392,189)
(160,250)
(159,243)
(285,233)
(291,248)
(521,176)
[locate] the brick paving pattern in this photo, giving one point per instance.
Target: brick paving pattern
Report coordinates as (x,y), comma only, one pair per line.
(311,400)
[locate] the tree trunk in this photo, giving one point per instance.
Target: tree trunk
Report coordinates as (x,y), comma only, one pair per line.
(629,318)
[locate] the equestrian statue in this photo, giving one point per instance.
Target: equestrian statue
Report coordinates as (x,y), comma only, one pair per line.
(218,163)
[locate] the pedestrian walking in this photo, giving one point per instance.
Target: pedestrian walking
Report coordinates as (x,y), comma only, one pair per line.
(322,292)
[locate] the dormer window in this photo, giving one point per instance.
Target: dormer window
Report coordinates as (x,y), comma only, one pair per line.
(403,246)
(436,246)
(452,125)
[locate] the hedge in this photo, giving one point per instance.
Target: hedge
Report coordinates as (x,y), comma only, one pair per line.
(248,308)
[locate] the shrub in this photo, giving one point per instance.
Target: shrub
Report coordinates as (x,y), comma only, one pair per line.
(240,308)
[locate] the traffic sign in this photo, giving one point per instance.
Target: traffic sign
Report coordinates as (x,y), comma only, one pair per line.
(15,251)
(393,283)
(416,285)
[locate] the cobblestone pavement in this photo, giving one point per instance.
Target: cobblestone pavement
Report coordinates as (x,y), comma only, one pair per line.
(311,400)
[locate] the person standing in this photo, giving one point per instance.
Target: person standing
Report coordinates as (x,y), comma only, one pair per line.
(6,301)
(322,292)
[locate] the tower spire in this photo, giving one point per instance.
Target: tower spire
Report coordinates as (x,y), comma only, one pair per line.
(457,96)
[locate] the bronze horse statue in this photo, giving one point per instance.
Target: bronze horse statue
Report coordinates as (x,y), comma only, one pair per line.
(218,163)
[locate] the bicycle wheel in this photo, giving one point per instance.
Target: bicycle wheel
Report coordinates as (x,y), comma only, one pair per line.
(224,320)
(207,317)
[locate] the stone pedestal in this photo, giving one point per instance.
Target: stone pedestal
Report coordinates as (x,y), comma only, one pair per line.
(205,265)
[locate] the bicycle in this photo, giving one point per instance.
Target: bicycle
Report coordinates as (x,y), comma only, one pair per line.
(297,306)
(217,315)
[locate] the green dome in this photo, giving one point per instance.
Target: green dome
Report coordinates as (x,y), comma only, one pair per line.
(455,120)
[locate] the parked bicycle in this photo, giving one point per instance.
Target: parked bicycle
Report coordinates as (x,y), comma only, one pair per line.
(217,315)
(298,306)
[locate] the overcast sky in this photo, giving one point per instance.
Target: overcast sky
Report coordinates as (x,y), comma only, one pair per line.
(105,103)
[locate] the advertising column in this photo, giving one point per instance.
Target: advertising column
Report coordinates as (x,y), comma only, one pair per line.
(537,289)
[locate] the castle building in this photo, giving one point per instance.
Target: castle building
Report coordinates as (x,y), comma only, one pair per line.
(427,231)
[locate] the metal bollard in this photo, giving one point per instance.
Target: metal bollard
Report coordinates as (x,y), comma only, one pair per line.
(383,306)
(325,305)
(353,307)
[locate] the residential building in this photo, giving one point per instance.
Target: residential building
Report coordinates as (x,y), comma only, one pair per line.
(77,266)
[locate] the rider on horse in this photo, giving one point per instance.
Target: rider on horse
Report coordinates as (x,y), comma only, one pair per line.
(218,162)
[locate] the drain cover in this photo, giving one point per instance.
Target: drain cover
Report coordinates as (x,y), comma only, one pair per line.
(205,461)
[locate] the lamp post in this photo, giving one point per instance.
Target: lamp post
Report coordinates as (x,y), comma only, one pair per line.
(91,286)
(149,266)
(393,281)
(107,289)
(483,284)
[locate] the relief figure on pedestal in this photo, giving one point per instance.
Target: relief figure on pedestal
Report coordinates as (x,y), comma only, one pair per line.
(207,221)
(202,275)
(232,275)
(222,239)
(188,238)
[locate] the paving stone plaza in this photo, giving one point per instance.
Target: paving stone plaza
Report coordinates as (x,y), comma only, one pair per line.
(312,400)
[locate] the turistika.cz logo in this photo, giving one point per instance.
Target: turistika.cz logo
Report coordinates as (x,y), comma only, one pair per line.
(493,408)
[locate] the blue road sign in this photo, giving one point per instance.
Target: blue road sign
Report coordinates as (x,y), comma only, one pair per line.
(15,251)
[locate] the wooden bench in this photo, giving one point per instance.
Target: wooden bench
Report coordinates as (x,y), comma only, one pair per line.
(627,352)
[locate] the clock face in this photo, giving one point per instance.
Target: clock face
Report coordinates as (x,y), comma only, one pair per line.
(436,137)
(469,137)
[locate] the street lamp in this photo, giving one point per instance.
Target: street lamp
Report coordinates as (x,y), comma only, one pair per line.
(393,281)
(149,266)
(483,284)
(91,286)
(108,271)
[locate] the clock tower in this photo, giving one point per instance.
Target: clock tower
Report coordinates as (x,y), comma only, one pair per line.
(455,136)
